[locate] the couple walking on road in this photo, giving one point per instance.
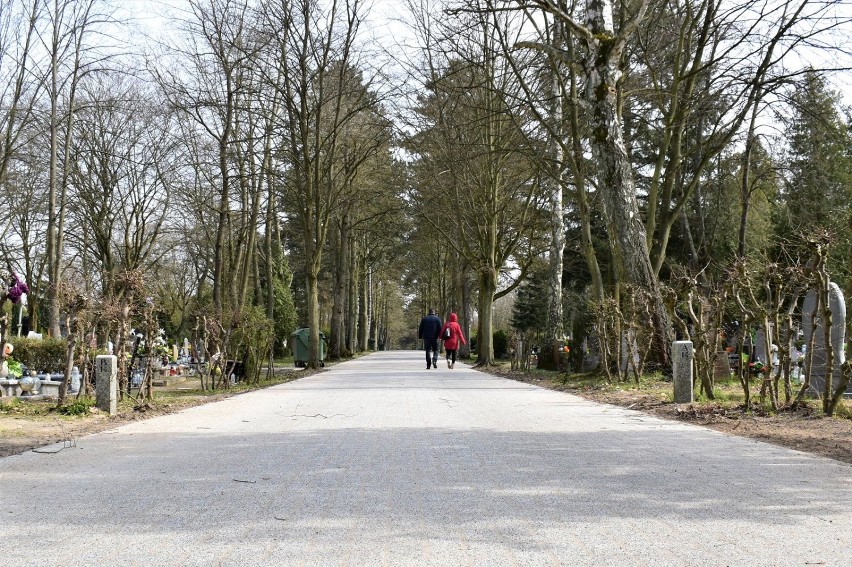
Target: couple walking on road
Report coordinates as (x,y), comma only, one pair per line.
(450,332)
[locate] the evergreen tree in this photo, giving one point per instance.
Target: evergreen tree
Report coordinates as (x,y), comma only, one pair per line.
(819,187)
(818,191)
(530,310)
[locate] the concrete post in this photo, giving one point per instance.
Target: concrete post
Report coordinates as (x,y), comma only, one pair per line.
(682,354)
(106,386)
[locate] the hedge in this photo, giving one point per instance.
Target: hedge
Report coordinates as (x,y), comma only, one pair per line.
(45,355)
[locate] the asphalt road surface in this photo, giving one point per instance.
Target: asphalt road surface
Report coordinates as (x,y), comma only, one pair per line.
(379,461)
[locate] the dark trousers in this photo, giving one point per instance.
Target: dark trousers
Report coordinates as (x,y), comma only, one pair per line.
(431,346)
(451,355)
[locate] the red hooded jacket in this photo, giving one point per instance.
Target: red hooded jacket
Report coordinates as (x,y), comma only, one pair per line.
(456,333)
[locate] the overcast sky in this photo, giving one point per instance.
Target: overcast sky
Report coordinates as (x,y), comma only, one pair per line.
(156,17)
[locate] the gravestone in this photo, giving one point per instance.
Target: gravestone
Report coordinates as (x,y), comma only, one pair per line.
(106,387)
(75,381)
(759,348)
(591,353)
(796,359)
(682,355)
(721,366)
(837,305)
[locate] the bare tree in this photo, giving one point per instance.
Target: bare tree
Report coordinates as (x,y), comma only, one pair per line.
(486,204)
(363,145)
(71,25)
(122,168)
(21,172)
(19,93)
(550,88)
(314,49)
(709,70)
(604,46)
(207,84)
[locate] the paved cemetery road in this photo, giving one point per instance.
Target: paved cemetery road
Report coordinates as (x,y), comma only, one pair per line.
(381,462)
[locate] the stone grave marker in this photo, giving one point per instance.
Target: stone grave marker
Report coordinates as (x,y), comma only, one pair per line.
(106,387)
(722,366)
(682,355)
(759,347)
(837,305)
(74,387)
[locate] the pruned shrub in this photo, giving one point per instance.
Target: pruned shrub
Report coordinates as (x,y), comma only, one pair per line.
(41,355)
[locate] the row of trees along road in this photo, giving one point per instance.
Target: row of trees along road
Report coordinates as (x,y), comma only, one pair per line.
(270,164)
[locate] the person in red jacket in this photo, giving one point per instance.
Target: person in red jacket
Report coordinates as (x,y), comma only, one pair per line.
(451,334)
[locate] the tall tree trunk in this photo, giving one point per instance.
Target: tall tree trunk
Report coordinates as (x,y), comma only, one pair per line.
(363,306)
(578,167)
(58,181)
(485,333)
(554,331)
(313,256)
(467,309)
(249,252)
(224,195)
(313,319)
(352,303)
(52,247)
(269,272)
(375,311)
(340,245)
(628,238)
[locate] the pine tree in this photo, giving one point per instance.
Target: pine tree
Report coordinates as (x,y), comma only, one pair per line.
(530,310)
(818,191)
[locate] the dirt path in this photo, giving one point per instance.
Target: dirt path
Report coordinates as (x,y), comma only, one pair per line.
(28,425)
(25,431)
(829,437)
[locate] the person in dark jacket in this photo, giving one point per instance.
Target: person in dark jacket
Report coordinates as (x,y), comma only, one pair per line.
(451,334)
(430,332)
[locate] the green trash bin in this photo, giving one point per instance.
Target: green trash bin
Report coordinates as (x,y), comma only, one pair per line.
(301,344)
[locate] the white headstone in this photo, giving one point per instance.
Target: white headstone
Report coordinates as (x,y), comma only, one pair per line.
(75,380)
(106,387)
(837,305)
(682,355)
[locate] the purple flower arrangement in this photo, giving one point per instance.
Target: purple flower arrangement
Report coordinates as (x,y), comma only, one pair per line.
(17,289)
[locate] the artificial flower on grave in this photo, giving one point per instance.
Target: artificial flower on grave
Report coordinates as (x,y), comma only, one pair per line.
(17,288)
(15,369)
